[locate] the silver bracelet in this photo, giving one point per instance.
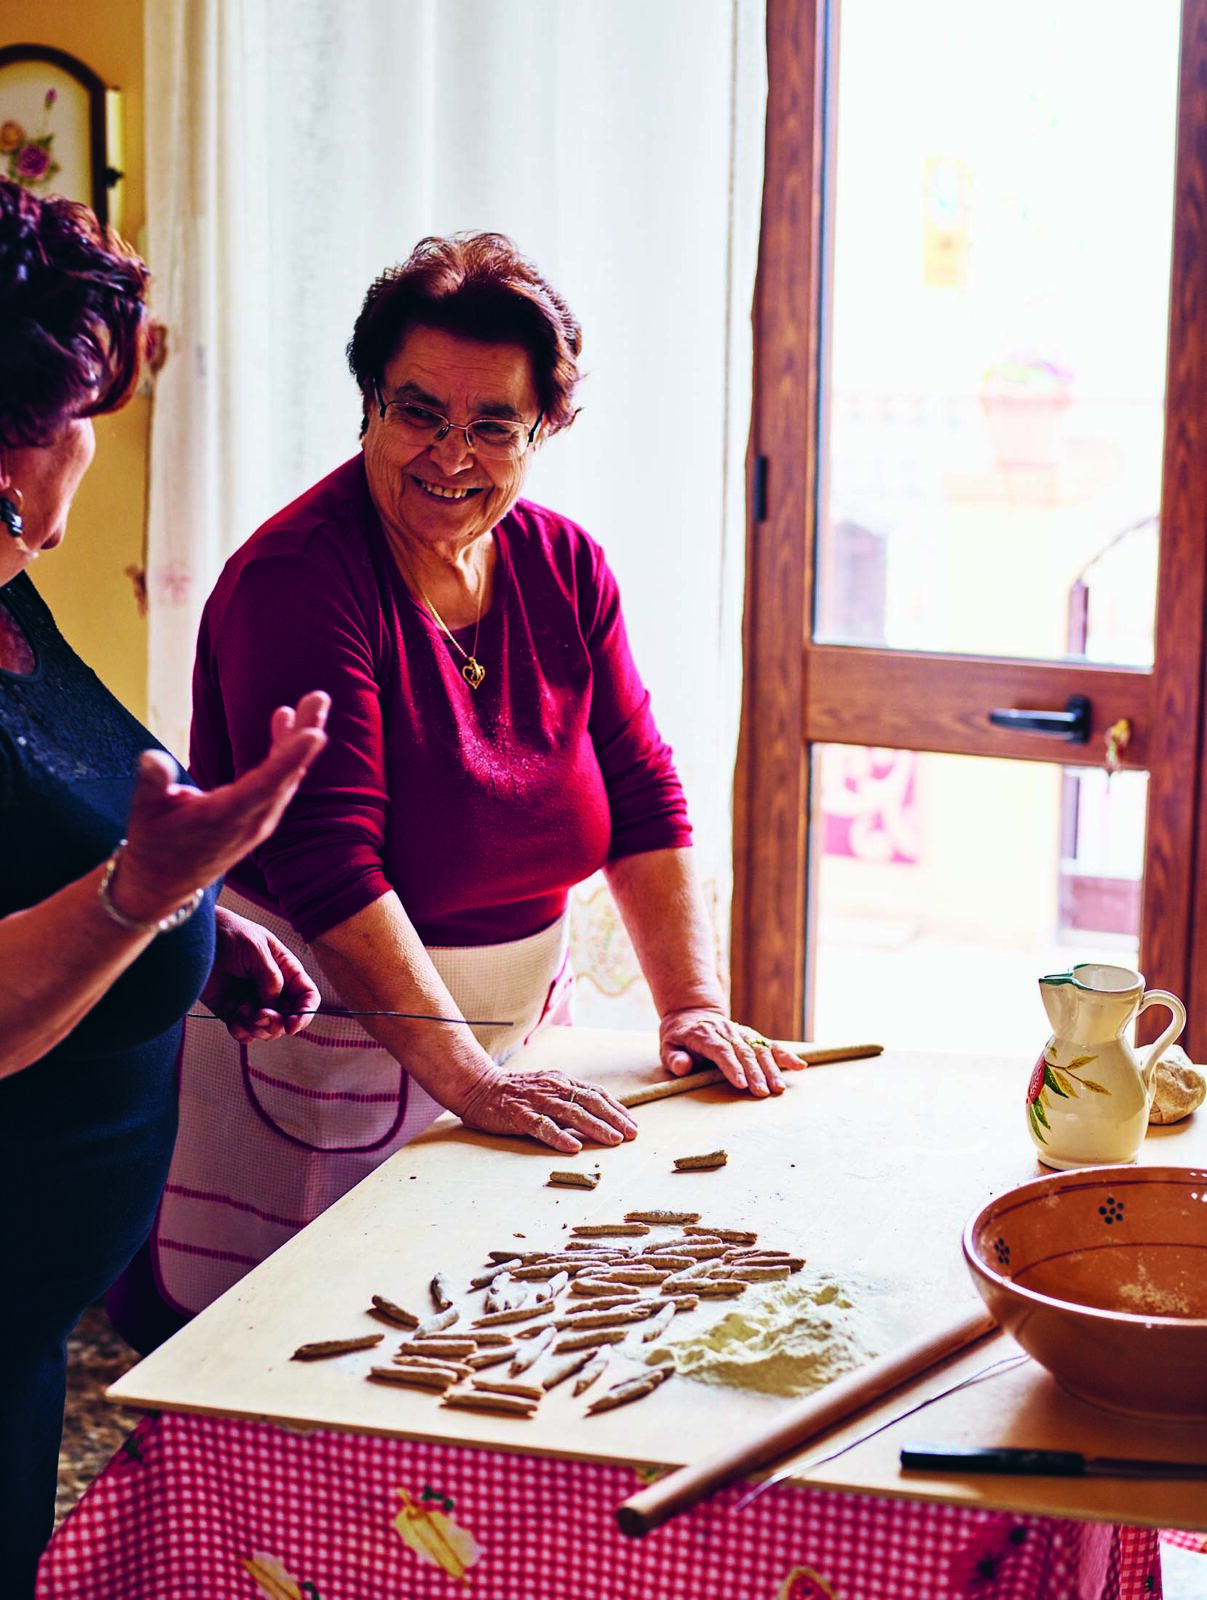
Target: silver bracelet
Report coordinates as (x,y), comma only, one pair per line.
(105,896)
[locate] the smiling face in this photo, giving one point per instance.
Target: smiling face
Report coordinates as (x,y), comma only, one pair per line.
(440,497)
(47,478)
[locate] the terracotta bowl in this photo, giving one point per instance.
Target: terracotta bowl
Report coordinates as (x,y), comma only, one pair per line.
(1101,1275)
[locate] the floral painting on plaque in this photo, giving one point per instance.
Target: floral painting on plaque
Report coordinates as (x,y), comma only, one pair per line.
(56,125)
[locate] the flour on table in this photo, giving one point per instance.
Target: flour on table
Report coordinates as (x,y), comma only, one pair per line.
(796,1337)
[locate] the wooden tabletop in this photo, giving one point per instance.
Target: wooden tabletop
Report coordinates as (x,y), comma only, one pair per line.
(869,1169)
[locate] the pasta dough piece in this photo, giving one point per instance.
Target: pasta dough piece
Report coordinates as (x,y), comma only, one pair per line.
(1179,1087)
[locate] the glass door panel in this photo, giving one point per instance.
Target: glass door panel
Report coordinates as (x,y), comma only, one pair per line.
(995,306)
(980,384)
(946,886)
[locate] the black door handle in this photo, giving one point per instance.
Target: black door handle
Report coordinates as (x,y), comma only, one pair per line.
(1072,724)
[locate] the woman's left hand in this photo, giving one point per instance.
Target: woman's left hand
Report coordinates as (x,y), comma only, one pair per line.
(258,987)
(700,1036)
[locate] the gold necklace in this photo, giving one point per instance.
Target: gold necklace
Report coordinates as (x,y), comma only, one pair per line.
(473,671)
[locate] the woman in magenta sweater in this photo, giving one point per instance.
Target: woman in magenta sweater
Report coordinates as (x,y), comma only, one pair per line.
(491,745)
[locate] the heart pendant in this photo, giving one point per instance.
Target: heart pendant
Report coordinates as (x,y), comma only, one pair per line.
(473,672)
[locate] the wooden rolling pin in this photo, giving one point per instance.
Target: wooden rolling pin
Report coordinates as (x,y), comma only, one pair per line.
(681,1490)
(820,1057)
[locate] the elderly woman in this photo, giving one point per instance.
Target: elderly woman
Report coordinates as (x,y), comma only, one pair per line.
(107,929)
(491,746)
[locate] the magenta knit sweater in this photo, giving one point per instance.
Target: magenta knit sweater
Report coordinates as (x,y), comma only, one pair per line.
(481,808)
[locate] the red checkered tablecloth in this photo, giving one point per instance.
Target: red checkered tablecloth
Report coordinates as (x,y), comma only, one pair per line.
(198,1506)
(1185,1540)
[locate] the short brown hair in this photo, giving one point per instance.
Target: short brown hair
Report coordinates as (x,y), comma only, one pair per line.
(72,304)
(479,286)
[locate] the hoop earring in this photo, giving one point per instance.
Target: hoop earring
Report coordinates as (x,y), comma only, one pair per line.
(10,510)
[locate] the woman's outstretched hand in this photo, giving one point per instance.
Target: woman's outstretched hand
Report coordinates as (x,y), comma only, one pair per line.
(699,1037)
(549,1107)
(181,838)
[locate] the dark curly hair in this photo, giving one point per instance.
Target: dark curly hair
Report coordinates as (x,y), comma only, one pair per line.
(72,308)
(477,285)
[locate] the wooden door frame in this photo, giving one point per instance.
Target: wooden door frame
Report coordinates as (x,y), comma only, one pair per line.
(1173,919)
(771,949)
(771,783)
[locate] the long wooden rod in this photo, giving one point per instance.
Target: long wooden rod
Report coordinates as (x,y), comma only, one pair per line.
(811,1056)
(681,1490)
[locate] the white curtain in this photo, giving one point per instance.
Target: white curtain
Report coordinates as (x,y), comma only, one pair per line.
(297,147)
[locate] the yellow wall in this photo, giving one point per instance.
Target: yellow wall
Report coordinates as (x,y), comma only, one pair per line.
(85,581)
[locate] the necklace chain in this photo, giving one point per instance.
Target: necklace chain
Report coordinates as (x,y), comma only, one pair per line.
(473,671)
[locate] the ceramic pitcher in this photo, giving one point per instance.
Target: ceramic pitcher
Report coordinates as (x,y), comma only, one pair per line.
(1088,1099)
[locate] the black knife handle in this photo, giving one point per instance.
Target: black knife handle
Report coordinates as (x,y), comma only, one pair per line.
(959,1458)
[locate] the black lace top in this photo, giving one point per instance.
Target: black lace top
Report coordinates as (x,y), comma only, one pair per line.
(68,755)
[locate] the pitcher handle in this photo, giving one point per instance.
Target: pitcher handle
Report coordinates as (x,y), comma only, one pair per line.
(1161,997)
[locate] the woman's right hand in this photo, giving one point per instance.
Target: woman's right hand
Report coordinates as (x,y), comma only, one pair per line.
(180,838)
(547,1106)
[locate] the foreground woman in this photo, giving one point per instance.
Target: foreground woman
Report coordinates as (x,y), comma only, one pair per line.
(107,928)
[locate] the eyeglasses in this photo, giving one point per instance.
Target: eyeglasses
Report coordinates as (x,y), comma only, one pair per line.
(493,438)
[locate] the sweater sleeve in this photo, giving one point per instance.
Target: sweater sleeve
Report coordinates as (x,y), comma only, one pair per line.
(292,622)
(645,797)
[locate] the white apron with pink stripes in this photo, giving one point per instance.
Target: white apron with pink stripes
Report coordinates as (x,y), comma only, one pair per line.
(271,1134)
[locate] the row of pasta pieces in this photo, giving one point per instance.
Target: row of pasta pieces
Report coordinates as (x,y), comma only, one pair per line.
(599,1260)
(582,1355)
